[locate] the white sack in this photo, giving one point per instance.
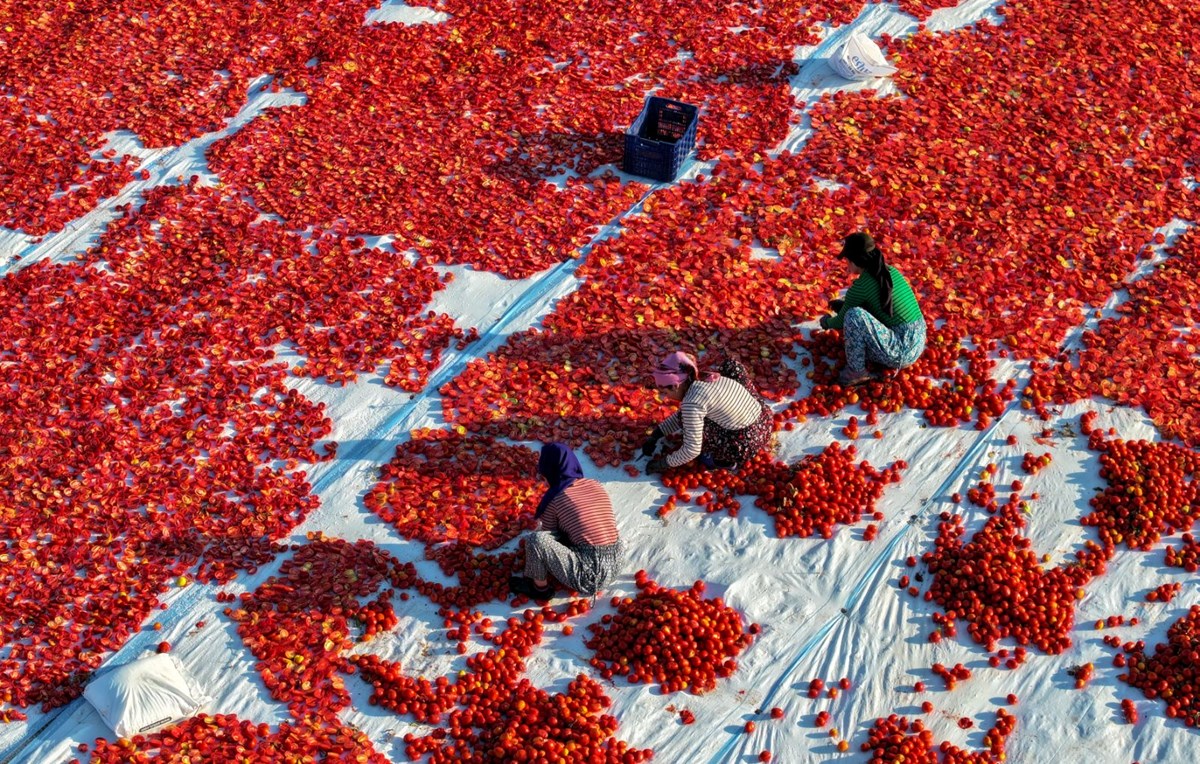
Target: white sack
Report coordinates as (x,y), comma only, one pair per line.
(145,695)
(859,58)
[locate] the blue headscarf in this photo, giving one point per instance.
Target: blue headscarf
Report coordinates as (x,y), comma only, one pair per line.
(559,466)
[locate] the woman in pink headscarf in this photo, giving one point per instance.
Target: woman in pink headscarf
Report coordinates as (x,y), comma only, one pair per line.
(720,416)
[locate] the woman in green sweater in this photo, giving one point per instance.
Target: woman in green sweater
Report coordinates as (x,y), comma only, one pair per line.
(880,318)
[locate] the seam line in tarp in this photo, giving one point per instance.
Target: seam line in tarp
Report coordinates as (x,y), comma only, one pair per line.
(860,587)
(963,462)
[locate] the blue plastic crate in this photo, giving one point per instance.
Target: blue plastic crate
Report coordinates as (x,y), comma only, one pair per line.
(661,138)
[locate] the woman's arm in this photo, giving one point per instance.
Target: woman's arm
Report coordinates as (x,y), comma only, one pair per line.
(860,295)
(691,415)
(671,424)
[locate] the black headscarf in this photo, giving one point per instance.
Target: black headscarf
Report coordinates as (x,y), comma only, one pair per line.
(859,248)
(557,463)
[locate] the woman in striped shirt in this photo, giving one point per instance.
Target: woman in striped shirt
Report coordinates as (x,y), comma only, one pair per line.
(880,318)
(576,540)
(722,419)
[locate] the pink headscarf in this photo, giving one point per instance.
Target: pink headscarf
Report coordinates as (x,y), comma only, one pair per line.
(672,370)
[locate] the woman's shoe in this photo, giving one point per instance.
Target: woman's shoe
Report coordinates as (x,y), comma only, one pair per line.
(850,380)
(524,585)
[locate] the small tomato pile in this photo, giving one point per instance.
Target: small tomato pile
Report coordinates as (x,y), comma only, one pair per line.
(997,583)
(223,737)
(1186,555)
(1151,491)
(1164,592)
(807,498)
(445,486)
(966,388)
(1129,711)
(677,639)
(756,476)
(1171,672)
(896,740)
(824,490)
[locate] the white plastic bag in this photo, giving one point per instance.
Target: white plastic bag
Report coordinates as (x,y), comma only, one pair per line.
(145,695)
(859,58)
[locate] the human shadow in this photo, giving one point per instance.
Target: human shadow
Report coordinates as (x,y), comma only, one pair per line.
(541,156)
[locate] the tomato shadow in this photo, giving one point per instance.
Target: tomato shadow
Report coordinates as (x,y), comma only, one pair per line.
(822,744)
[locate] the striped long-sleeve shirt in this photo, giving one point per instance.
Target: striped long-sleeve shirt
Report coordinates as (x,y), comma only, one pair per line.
(584,512)
(864,293)
(723,401)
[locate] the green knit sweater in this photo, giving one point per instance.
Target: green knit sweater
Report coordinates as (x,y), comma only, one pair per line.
(864,293)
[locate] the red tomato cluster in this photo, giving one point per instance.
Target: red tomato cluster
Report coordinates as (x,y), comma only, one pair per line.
(1114,621)
(223,737)
(1186,555)
(1149,491)
(824,490)
(1129,711)
(753,477)
(1170,673)
(1082,674)
(802,497)
(964,394)
(895,739)
(951,676)
(298,623)
(481,577)
(1011,661)
(1164,592)
(997,583)
(445,486)
(1035,464)
(520,722)
(406,695)
(815,686)
(1145,355)
(677,639)
(50,174)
